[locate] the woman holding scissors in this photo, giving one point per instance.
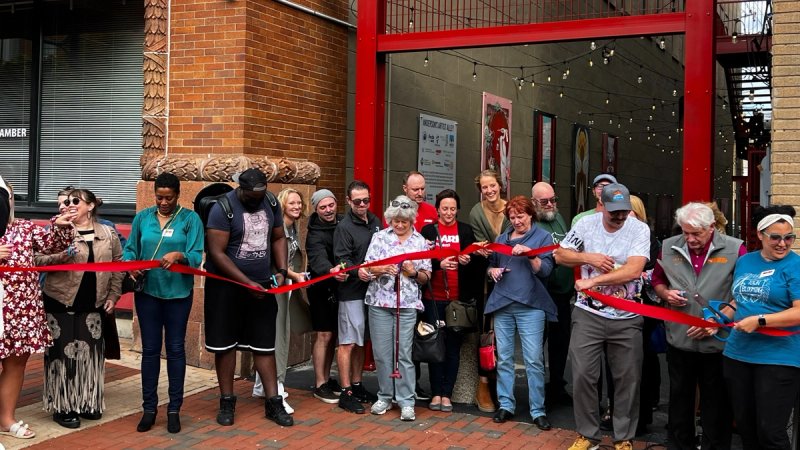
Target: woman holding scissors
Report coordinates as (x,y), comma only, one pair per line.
(763,372)
(520,304)
(453,278)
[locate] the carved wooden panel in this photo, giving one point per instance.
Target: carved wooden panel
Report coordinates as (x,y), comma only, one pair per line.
(156,21)
(155,84)
(154,131)
(221,168)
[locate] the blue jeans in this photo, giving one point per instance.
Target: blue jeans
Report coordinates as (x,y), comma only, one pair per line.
(529,323)
(171,316)
(443,375)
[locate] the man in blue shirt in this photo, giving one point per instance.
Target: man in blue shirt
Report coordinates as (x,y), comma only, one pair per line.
(240,248)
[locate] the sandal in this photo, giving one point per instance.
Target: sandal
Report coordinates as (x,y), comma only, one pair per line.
(18,430)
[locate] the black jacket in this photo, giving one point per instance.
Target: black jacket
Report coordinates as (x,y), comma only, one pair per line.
(470,280)
(319,250)
(350,243)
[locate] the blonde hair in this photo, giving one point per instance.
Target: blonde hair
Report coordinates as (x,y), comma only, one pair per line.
(638,208)
(489,173)
(283,197)
(719,219)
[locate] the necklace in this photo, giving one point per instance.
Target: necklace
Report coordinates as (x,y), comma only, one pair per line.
(502,208)
(162,215)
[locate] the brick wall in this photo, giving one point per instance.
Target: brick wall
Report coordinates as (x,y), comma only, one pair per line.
(258,77)
(785,158)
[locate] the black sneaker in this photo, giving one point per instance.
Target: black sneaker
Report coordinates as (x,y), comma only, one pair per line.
(363,395)
(326,394)
(227,406)
(349,403)
(275,411)
(335,386)
(420,394)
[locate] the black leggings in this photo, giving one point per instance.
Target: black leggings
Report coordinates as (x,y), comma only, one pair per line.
(762,397)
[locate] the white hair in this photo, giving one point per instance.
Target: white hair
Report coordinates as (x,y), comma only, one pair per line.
(696,215)
(398,212)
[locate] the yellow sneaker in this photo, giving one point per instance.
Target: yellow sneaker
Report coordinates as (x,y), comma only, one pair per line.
(583,444)
(624,445)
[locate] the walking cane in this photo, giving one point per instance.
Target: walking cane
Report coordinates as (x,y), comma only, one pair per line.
(396,373)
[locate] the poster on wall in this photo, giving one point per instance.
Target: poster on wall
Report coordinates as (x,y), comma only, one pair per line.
(437,154)
(580,168)
(610,153)
(544,147)
(496,137)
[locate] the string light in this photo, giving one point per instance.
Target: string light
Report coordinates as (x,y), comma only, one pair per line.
(654,104)
(605,60)
(411,19)
(608,98)
(561,94)
(611,52)
(567,70)
(548,75)
(533,83)
(593,46)
(662,44)
(640,75)
(674,92)
(564,75)
(673,113)
(631,120)
(474,71)
(591,119)
(651,117)
(611,121)
(590,62)
(521,76)
(735,35)
(426,59)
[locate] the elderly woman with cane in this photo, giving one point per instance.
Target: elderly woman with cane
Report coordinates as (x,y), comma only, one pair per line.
(393,314)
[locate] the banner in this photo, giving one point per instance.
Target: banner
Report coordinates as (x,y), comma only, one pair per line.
(580,169)
(437,154)
(496,138)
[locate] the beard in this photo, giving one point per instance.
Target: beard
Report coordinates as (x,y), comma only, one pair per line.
(547,216)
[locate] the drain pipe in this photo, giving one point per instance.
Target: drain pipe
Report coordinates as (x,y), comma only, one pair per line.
(316,13)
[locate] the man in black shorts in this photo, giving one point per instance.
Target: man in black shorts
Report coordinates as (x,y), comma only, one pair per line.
(240,248)
(323,296)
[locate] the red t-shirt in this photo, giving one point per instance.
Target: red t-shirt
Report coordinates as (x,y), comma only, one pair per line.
(426,214)
(448,238)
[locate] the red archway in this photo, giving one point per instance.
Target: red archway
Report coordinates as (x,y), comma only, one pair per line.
(451,27)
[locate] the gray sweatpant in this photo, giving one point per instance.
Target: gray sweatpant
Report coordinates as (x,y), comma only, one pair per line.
(624,348)
(383,329)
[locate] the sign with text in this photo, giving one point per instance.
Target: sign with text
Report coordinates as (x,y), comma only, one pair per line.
(13,132)
(437,154)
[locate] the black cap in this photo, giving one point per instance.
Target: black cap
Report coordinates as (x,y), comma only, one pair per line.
(251,180)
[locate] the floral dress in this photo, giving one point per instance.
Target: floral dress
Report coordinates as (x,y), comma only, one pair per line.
(24,322)
(381,291)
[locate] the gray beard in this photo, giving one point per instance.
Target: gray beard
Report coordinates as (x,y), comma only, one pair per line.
(548,216)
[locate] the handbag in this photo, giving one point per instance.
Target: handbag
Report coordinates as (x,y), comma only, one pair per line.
(460,317)
(487,351)
(137,285)
(429,346)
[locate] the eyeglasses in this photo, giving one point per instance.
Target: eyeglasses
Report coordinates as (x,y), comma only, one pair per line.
(403,205)
(599,187)
(620,214)
(74,201)
(545,201)
(360,201)
(775,238)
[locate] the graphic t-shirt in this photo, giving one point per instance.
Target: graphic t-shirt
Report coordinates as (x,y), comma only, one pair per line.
(590,236)
(448,238)
(249,239)
(765,287)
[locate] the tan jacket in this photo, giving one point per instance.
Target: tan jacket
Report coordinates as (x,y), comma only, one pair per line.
(63,286)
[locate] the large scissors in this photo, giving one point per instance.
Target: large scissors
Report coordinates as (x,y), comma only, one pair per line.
(712,309)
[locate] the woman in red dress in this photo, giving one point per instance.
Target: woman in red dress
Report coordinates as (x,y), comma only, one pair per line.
(24,329)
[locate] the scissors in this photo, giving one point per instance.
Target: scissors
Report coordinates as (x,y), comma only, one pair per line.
(274,281)
(712,309)
(503,271)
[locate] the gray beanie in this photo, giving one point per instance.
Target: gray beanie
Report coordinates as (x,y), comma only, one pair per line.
(320,195)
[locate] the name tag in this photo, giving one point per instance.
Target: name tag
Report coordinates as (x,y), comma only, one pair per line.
(766,273)
(167,233)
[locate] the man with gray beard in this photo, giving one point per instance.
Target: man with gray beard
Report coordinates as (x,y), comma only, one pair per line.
(561,286)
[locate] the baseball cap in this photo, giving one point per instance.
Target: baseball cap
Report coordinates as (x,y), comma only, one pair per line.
(615,197)
(319,196)
(251,180)
(604,176)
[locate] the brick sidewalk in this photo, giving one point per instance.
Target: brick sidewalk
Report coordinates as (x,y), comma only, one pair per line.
(317,426)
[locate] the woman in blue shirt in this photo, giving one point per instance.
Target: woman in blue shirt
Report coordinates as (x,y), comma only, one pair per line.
(763,372)
(174,235)
(520,304)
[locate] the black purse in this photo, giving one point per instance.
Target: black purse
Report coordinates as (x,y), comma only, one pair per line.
(137,285)
(428,348)
(460,317)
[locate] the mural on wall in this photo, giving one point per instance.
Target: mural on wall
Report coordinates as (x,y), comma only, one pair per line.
(496,137)
(544,147)
(580,168)
(610,154)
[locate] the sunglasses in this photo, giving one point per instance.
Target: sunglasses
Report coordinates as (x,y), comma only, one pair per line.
(620,214)
(545,201)
(74,201)
(403,205)
(775,238)
(360,201)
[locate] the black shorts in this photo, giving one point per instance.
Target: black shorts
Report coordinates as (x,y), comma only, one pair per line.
(237,320)
(324,309)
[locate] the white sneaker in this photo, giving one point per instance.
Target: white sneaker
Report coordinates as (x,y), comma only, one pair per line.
(282,392)
(380,407)
(407,414)
(289,409)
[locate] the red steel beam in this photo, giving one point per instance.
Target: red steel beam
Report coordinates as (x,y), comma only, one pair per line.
(370,101)
(700,88)
(569,30)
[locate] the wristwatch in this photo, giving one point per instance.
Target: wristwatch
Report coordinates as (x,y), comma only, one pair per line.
(416,274)
(283,272)
(762,321)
